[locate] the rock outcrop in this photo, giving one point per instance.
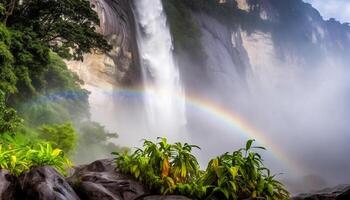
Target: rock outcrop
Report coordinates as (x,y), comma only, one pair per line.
(45,183)
(101,181)
(120,66)
(117,24)
(8,186)
(338,193)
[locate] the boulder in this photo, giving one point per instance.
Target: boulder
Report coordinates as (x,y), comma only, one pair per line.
(45,183)
(8,186)
(101,181)
(338,193)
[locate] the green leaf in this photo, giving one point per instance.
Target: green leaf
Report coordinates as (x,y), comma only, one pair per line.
(249,144)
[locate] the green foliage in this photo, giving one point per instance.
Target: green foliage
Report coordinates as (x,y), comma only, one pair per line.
(160,165)
(67,26)
(60,136)
(171,168)
(9,120)
(7,76)
(63,100)
(58,76)
(36,81)
(18,156)
(45,155)
(31,58)
(241,175)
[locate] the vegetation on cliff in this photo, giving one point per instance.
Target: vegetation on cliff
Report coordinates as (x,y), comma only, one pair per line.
(173,169)
(40,99)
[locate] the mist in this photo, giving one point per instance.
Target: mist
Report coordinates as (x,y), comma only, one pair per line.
(304,110)
(299,108)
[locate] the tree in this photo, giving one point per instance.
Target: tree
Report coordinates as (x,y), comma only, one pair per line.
(9,121)
(61,136)
(7,8)
(8,78)
(67,26)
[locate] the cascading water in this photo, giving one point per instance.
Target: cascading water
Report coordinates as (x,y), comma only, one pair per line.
(164,101)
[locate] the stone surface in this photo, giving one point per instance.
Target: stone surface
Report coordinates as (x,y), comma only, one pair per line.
(8,183)
(339,193)
(45,183)
(101,181)
(118,26)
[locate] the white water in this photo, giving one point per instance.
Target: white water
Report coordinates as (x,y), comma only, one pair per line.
(165,106)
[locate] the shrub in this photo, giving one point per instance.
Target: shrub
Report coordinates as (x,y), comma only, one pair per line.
(18,156)
(171,168)
(60,136)
(9,120)
(160,165)
(241,175)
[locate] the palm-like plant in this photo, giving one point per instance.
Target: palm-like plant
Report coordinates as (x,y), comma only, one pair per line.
(185,166)
(160,155)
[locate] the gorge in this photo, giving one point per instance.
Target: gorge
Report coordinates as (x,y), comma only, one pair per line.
(216,73)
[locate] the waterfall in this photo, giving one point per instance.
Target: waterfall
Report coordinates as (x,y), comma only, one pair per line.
(164,101)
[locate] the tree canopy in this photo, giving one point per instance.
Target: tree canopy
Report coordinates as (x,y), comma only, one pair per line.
(68,27)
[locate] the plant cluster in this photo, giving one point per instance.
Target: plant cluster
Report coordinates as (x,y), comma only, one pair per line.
(173,169)
(17,156)
(160,165)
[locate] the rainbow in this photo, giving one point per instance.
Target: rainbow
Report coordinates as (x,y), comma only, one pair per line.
(228,118)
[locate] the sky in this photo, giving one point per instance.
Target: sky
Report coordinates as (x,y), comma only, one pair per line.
(338,9)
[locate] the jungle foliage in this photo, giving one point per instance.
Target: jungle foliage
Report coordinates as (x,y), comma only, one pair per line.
(18,155)
(173,169)
(41,100)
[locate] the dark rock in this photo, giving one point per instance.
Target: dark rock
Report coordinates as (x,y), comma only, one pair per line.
(8,183)
(101,181)
(45,183)
(338,193)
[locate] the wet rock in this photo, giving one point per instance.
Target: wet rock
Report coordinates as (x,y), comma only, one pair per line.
(8,183)
(338,193)
(45,183)
(101,181)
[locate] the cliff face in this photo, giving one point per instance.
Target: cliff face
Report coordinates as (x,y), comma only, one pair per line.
(121,65)
(249,33)
(272,61)
(248,36)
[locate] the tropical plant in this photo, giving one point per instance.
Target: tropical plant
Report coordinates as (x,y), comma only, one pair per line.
(242,175)
(185,167)
(171,168)
(18,156)
(44,155)
(160,165)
